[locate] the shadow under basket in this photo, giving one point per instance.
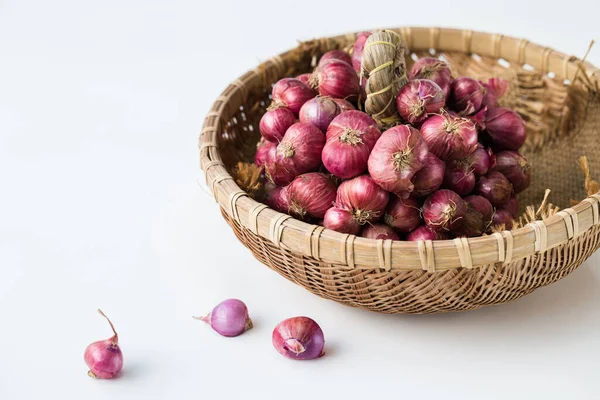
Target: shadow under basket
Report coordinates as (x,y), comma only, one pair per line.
(557,96)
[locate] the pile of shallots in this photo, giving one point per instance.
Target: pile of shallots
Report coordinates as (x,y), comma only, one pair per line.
(451,168)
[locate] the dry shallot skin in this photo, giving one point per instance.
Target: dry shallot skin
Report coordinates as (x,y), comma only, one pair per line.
(515,168)
(379,231)
(494,89)
(397,156)
(341,220)
(335,55)
(275,123)
(311,194)
(435,70)
(495,187)
(319,111)
(344,105)
(404,215)
(443,210)
(304,78)
(262,150)
(506,129)
(471,225)
(351,137)
(359,48)
(419,98)
(299,338)
(423,232)
(298,152)
(502,218)
(466,95)
(336,79)
(104,357)
(449,136)
(430,177)
(363,198)
(290,93)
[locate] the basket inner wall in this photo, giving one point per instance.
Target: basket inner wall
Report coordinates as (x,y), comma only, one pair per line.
(561,119)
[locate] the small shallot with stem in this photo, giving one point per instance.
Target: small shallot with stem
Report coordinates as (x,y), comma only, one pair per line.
(290,93)
(444,210)
(433,69)
(466,96)
(229,318)
(449,136)
(419,98)
(311,195)
(299,338)
(336,78)
(104,358)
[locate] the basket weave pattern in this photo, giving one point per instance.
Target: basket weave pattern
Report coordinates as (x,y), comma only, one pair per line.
(557,95)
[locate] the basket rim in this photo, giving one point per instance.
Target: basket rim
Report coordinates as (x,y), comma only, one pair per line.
(354,252)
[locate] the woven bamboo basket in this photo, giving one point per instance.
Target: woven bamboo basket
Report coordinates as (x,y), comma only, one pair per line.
(556,94)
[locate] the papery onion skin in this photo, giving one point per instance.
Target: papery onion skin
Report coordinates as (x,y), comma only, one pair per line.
(291,93)
(351,137)
(363,198)
(229,318)
(335,55)
(479,118)
(344,105)
(336,79)
(449,136)
(262,150)
(359,48)
(403,215)
(443,210)
(278,198)
(275,123)
(429,178)
(379,231)
(502,217)
(483,206)
(341,220)
(104,357)
(460,179)
(419,98)
(515,168)
(298,152)
(319,111)
(311,194)
(299,338)
(397,156)
(423,232)
(304,78)
(466,96)
(506,129)
(495,88)
(512,206)
(495,187)
(471,225)
(435,70)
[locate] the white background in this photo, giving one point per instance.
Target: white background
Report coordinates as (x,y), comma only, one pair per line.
(101,103)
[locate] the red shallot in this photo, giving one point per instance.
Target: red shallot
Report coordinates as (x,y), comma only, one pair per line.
(341,220)
(278,198)
(274,123)
(290,93)
(449,136)
(379,231)
(363,198)
(502,218)
(433,69)
(460,178)
(430,177)
(512,206)
(494,89)
(319,111)
(262,151)
(505,128)
(483,206)
(424,232)
(466,96)
(419,98)
(403,215)
(336,79)
(444,210)
(229,318)
(299,338)
(344,105)
(104,358)
(495,187)
(335,55)
(515,168)
(311,194)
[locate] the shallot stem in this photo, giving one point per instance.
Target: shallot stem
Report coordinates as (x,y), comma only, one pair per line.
(111,325)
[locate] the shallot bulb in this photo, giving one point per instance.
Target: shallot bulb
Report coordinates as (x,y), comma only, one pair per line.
(424,232)
(494,89)
(479,118)
(505,128)
(512,206)
(344,105)
(104,358)
(403,215)
(262,151)
(359,48)
(229,318)
(299,338)
(319,111)
(449,136)
(337,79)
(341,220)
(483,206)
(515,168)
(311,194)
(304,78)
(444,210)
(363,198)
(335,55)
(466,96)
(397,156)
(502,218)
(495,187)
(419,98)
(290,93)
(481,160)
(430,177)
(432,69)
(274,123)
(298,152)
(278,198)
(471,225)
(350,138)
(460,178)
(379,231)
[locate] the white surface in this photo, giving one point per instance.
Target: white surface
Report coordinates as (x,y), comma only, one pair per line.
(100,107)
